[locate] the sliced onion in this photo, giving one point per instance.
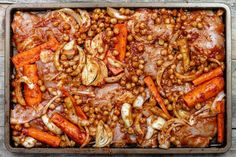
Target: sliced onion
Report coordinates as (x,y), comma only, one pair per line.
(57,58)
(158,123)
(126,114)
(50,125)
(138,102)
(104,135)
(150,130)
(219,97)
(87,139)
(82,60)
(115,62)
(72,13)
(29,142)
(161,70)
(137,124)
(114,78)
(189,77)
(116,14)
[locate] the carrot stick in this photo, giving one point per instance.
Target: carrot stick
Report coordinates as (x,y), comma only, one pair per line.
(78,109)
(70,129)
(122,40)
(208,76)
(220,106)
(42,136)
(204,91)
(220,127)
(220,120)
(149,82)
(32,96)
(32,55)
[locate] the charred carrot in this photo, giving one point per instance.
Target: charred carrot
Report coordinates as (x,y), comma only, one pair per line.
(151,85)
(32,96)
(32,55)
(122,40)
(208,76)
(204,91)
(42,136)
(70,129)
(78,109)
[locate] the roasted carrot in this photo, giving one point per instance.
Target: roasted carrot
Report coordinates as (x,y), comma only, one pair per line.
(32,55)
(78,109)
(32,96)
(208,76)
(42,136)
(151,85)
(220,127)
(122,40)
(220,121)
(70,129)
(204,91)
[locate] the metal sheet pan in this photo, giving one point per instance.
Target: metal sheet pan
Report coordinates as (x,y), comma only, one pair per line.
(44,6)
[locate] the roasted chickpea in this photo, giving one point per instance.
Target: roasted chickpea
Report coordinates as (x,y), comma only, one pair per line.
(159,62)
(158,20)
(115,52)
(141,61)
(161,42)
(198,106)
(101,25)
(164,52)
(114,118)
(109,33)
(142,25)
(66,38)
(113,20)
(134,78)
(133,84)
(40,82)
(135,64)
(43,88)
(90,33)
(55,24)
(170,57)
(66,26)
(149,37)
(139,72)
(169,107)
(172,139)
(130,37)
(199,25)
(117,112)
(26,125)
(140,48)
(86,109)
(128,86)
(141,66)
